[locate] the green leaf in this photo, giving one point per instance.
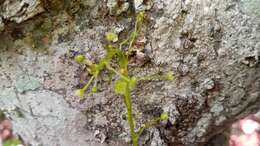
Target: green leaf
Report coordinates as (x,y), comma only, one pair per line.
(120,86)
(12,142)
(111,37)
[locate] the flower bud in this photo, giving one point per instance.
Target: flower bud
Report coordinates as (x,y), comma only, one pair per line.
(94,89)
(111,37)
(164,116)
(79,58)
(80,92)
(168,76)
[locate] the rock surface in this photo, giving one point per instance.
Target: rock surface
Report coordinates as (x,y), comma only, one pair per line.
(19,11)
(212,47)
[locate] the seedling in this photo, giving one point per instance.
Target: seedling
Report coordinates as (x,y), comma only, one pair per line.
(119,53)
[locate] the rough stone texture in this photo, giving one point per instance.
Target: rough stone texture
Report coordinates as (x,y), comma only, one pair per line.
(40,115)
(211,45)
(2,25)
(19,11)
(213,49)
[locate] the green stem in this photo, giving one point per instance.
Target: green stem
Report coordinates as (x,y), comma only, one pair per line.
(130,119)
(88,84)
(148,125)
(123,43)
(87,62)
(116,72)
(133,38)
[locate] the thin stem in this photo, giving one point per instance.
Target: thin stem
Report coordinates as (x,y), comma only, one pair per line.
(118,73)
(148,125)
(134,35)
(95,81)
(88,84)
(122,43)
(87,62)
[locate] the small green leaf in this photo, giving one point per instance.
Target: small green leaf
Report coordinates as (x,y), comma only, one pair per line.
(94,89)
(168,76)
(80,92)
(164,116)
(79,58)
(111,37)
(120,86)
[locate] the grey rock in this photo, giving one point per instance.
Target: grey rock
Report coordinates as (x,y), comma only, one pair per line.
(89,3)
(100,136)
(220,120)
(2,25)
(172,111)
(100,120)
(251,8)
(140,5)
(199,130)
(211,46)
(217,108)
(208,84)
(26,83)
(157,141)
(222,40)
(115,8)
(237,96)
(45,119)
(19,11)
